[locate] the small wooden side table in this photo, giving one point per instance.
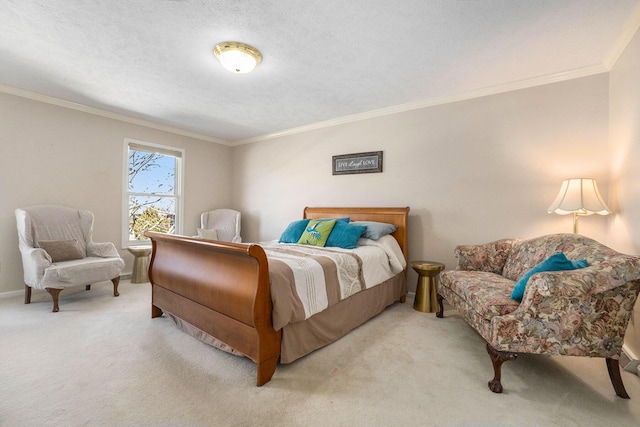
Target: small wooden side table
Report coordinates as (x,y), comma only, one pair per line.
(427,289)
(140,263)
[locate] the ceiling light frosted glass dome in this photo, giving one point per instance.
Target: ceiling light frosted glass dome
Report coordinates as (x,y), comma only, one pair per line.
(237,57)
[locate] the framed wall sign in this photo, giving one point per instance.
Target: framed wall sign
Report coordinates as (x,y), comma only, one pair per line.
(370,162)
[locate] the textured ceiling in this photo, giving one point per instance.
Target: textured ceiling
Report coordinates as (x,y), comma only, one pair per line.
(322,60)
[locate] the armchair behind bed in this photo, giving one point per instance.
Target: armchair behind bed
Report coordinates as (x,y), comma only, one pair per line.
(225,223)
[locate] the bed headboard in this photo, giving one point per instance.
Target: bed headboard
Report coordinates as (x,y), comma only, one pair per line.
(396,216)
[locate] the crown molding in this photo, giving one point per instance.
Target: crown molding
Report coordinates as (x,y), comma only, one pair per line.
(110,115)
(478,93)
(624,38)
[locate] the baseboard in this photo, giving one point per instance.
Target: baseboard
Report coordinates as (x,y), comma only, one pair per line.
(628,360)
(11,294)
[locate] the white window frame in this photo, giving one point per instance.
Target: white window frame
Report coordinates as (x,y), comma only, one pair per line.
(179,154)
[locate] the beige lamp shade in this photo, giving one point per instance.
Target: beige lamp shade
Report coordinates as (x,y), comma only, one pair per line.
(579,196)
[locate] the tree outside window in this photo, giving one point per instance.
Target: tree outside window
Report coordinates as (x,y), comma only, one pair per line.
(153,190)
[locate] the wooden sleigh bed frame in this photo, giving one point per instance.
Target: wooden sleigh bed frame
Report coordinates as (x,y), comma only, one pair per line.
(223,288)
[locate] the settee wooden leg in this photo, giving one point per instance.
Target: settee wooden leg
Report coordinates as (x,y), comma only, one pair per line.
(87,288)
(116,281)
(27,294)
(613,366)
(440,312)
(54,295)
(497,359)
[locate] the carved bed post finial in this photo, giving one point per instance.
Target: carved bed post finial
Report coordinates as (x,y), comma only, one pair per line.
(498,358)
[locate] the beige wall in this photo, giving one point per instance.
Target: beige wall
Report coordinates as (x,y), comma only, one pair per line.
(55,155)
(624,230)
(471,171)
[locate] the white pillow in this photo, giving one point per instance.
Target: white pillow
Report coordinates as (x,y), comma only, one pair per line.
(208,234)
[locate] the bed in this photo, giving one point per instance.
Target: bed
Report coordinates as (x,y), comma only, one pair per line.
(221,293)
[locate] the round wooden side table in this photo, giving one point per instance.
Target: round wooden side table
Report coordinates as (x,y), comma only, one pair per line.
(140,263)
(426,299)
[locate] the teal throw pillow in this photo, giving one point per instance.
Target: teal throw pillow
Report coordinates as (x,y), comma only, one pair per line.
(555,262)
(293,231)
(317,232)
(345,235)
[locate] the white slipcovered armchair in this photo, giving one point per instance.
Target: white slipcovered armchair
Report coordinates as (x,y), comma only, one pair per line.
(220,224)
(58,251)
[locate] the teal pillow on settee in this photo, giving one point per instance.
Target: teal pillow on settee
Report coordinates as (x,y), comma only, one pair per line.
(556,262)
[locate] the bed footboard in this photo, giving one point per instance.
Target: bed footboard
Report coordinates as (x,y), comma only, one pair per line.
(220,288)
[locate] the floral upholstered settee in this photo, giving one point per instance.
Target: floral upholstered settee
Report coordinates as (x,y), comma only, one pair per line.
(579,312)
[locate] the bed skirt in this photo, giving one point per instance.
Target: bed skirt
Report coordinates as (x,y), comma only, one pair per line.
(302,338)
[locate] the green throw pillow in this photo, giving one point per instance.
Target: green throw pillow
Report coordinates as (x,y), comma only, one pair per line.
(317,232)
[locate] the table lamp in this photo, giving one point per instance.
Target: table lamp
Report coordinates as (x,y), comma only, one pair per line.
(579,196)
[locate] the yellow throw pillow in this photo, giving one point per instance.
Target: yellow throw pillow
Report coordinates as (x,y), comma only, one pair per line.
(317,232)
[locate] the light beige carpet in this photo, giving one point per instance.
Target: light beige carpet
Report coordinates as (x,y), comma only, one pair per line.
(103,361)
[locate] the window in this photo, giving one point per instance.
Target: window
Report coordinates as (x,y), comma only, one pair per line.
(153,191)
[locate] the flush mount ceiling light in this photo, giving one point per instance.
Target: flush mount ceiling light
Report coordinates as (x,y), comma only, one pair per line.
(237,57)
